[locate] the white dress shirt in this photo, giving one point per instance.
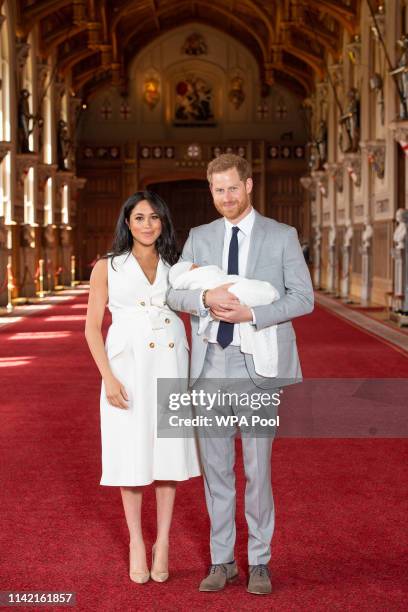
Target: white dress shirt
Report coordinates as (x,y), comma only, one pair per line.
(244,237)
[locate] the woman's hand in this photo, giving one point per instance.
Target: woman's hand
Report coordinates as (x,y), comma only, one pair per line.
(116,393)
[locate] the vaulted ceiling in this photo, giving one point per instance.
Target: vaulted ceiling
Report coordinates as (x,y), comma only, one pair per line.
(96,39)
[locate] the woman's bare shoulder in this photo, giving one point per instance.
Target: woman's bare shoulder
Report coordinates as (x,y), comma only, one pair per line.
(100,270)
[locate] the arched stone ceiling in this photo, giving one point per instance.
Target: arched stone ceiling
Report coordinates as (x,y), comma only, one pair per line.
(96,39)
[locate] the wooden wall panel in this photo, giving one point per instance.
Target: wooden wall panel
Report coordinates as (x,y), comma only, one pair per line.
(190,204)
(98,209)
(382,243)
(284,198)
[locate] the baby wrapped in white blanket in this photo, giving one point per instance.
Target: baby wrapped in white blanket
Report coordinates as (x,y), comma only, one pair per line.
(262,344)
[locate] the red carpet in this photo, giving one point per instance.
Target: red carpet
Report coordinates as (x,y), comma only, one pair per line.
(341,536)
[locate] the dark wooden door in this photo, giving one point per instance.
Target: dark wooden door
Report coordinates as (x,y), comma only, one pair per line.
(190,204)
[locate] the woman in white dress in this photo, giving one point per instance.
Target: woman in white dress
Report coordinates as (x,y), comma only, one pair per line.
(146,341)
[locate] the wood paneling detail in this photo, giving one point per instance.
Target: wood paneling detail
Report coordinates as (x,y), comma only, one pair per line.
(284,199)
(382,242)
(98,209)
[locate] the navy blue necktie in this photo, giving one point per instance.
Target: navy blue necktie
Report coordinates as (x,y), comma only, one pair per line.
(226,329)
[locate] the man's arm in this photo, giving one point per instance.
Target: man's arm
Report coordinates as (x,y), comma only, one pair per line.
(299,298)
(185,300)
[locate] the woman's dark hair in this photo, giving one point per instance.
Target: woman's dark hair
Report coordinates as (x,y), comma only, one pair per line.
(123,240)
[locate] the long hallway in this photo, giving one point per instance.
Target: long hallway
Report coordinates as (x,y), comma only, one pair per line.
(340,540)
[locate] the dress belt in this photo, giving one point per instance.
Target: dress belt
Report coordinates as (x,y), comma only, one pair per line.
(159,317)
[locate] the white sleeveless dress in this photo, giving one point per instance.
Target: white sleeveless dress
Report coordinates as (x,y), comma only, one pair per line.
(146,341)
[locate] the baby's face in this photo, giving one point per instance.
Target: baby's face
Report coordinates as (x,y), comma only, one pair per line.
(193,266)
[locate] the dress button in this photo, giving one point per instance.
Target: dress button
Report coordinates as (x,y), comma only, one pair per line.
(143,303)
(167,320)
(151,345)
(171,344)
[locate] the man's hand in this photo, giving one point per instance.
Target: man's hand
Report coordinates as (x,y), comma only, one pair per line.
(220,295)
(233,313)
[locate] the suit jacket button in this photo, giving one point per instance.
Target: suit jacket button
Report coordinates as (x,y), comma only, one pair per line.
(151,345)
(171,344)
(167,320)
(143,303)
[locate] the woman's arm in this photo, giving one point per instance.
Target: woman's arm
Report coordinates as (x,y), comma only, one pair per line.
(98,298)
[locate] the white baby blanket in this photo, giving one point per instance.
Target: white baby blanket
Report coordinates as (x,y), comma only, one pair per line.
(262,344)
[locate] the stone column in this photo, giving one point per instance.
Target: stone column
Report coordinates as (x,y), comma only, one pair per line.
(400,256)
(310,185)
(366,255)
(28,271)
(332,263)
(65,253)
(49,240)
(346,261)
(26,245)
(3,263)
(317,240)
(405,301)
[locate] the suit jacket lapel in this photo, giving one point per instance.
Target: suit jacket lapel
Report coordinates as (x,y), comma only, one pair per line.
(257,237)
(217,245)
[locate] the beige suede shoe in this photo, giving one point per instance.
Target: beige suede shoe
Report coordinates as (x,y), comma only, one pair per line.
(259,580)
(218,577)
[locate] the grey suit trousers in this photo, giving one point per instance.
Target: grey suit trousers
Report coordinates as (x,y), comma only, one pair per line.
(218,459)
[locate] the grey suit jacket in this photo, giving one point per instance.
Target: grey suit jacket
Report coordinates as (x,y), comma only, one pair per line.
(275,255)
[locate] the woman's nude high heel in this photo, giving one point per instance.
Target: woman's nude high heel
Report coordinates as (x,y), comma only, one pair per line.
(155,575)
(136,575)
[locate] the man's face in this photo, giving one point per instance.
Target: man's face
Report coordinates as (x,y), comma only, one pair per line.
(231,194)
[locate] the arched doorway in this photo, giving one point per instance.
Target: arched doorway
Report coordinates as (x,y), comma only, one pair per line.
(190,204)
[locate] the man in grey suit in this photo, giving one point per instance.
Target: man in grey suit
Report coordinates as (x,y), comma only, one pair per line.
(244,242)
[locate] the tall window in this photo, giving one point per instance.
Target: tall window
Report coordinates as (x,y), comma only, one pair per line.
(27,83)
(5,189)
(5,130)
(64,117)
(48,202)
(65,205)
(64,107)
(48,114)
(29,197)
